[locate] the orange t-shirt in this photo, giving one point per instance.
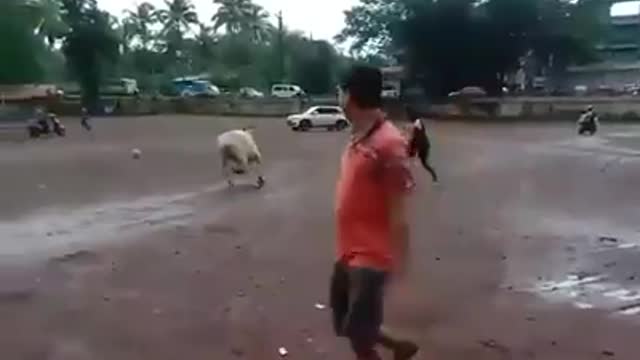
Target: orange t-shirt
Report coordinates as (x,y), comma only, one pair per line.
(372,169)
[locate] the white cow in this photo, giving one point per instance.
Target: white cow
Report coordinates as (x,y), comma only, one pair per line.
(240,154)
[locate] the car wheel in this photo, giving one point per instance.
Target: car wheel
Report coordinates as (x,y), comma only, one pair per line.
(305,125)
(341,125)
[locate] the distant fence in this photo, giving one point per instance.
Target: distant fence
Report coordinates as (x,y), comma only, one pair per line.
(542,108)
(133,106)
(539,108)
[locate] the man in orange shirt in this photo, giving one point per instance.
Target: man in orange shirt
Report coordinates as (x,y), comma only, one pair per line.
(372,227)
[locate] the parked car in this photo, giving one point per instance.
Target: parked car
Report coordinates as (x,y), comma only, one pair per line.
(469,91)
(329,117)
(248,92)
(122,86)
(192,88)
(390,91)
(287,91)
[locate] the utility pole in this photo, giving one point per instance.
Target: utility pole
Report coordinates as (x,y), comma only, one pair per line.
(281,72)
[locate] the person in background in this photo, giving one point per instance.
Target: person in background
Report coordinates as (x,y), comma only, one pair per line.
(588,122)
(84,113)
(57,125)
(42,121)
(372,226)
(419,143)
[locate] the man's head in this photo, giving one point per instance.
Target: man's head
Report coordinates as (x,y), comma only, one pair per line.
(361,91)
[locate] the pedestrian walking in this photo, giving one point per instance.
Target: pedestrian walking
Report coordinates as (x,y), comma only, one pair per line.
(372,228)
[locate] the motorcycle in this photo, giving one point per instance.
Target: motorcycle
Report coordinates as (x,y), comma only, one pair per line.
(588,124)
(42,127)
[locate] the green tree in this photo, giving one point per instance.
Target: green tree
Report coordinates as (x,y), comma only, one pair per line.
(139,23)
(314,65)
(456,43)
(232,15)
(177,20)
(90,45)
(21,50)
(49,20)
(371,25)
(242,17)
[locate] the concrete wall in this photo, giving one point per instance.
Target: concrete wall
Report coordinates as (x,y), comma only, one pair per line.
(542,108)
(558,107)
(615,79)
(147,106)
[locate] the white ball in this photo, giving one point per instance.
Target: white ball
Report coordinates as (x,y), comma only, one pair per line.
(136,153)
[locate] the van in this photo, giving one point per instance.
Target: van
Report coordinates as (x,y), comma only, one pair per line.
(286,91)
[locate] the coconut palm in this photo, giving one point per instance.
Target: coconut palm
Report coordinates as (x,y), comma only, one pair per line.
(241,17)
(259,27)
(138,24)
(232,15)
(177,18)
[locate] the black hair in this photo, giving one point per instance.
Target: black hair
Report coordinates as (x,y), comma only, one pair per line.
(364,85)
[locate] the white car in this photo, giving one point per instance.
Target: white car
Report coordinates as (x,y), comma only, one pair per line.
(329,117)
(247,92)
(390,92)
(286,91)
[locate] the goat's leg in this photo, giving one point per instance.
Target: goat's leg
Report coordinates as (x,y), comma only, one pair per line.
(256,168)
(226,171)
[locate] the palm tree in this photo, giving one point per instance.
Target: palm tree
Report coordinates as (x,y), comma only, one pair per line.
(138,24)
(177,19)
(232,15)
(258,23)
(241,17)
(206,39)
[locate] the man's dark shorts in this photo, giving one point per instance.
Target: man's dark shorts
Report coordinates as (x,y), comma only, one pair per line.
(357,302)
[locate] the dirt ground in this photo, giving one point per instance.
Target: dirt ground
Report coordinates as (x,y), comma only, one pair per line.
(527,250)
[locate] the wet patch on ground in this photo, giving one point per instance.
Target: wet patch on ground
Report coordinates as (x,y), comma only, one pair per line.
(600,276)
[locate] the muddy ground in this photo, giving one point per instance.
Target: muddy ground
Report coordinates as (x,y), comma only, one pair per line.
(529,249)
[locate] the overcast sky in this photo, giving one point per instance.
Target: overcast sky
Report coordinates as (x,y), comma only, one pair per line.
(321,18)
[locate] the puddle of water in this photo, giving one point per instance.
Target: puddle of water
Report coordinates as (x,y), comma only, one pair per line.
(630,310)
(593,292)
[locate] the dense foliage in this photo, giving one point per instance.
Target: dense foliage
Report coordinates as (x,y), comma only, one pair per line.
(449,44)
(74,40)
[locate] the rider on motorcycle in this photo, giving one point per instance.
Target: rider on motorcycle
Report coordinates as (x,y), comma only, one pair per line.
(588,122)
